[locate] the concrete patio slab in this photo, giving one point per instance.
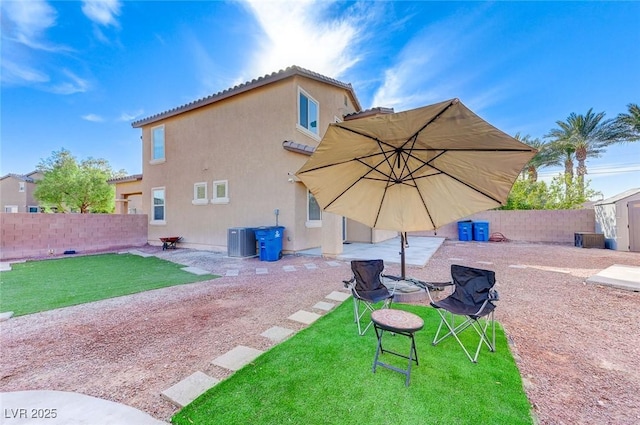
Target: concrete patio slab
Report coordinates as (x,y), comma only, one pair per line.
(70,408)
(323,305)
(618,276)
(334,263)
(277,333)
(305,317)
(195,270)
(232,272)
(6,316)
(338,296)
(5,267)
(190,388)
(237,358)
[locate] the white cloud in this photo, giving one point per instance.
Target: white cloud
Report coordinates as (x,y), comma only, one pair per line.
(26,22)
(302,33)
(92,118)
(74,84)
(102,12)
(16,73)
(126,116)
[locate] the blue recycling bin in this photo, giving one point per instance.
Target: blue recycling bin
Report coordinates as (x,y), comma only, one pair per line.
(465,232)
(481,231)
(270,242)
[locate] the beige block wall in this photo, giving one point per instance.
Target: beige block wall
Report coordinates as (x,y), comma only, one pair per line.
(25,235)
(557,226)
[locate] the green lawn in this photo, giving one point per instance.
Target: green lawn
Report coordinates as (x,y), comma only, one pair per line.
(322,375)
(37,286)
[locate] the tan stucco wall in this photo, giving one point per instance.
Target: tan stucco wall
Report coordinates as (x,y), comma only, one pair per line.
(238,139)
(129,198)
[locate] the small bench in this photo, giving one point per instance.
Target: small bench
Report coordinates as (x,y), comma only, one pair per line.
(170,242)
(398,322)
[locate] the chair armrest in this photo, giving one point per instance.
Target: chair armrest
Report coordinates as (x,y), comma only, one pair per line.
(349,283)
(493,295)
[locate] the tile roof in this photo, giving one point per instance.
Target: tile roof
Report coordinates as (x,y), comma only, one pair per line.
(298,147)
(368,112)
(131,178)
(20,177)
(249,85)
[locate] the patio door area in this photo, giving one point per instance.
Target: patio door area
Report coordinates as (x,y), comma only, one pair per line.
(634,226)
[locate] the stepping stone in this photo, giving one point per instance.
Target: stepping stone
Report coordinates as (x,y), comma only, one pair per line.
(262,270)
(195,270)
(289,268)
(6,316)
(310,266)
(277,333)
(517,266)
(322,305)
(232,272)
(456,259)
(140,253)
(237,358)
(484,262)
(5,267)
(190,388)
(338,296)
(334,263)
(305,317)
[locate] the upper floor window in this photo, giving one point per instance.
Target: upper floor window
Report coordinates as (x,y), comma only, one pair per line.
(20,186)
(200,193)
(157,143)
(159,204)
(307,112)
(220,192)
(11,208)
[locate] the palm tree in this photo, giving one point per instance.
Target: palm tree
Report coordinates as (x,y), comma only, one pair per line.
(544,157)
(585,136)
(629,123)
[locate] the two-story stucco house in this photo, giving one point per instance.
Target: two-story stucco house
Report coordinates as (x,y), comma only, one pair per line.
(16,193)
(228,160)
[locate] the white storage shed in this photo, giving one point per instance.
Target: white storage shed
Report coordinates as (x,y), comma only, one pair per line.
(618,218)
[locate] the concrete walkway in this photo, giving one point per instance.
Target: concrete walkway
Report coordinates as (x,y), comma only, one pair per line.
(67,408)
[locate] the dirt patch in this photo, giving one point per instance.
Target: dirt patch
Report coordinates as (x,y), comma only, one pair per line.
(577,345)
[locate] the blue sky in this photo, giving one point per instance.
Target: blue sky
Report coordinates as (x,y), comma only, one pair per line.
(76,73)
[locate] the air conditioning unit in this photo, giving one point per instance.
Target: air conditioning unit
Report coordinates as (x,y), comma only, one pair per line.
(241,242)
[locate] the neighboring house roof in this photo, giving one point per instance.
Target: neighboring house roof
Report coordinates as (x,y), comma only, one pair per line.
(619,197)
(379,110)
(126,179)
(245,87)
(21,177)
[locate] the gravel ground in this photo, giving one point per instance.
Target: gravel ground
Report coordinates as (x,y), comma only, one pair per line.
(577,345)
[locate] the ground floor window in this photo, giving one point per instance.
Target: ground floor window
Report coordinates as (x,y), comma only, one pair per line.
(314,213)
(220,192)
(159,204)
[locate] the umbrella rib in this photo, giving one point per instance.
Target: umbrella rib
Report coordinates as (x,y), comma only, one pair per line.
(415,135)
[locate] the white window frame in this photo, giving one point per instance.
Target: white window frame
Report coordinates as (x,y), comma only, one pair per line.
(299,126)
(155,160)
(21,187)
(153,206)
(220,199)
(11,209)
(203,200)
(314,222)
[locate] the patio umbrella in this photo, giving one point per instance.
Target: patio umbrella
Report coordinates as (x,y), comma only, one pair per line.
(414,170)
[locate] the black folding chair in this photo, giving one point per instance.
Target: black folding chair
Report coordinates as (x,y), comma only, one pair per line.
(367,289)
(471,305)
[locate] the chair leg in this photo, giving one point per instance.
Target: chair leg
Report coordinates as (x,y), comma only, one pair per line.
(454,330)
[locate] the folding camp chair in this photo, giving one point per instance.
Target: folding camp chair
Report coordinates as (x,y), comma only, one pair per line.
(471,305)
(367,289)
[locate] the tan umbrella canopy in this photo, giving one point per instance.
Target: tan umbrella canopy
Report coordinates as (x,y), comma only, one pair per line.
(414,170)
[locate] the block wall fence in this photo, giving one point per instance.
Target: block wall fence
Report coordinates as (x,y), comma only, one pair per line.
(553,226)
(24,235)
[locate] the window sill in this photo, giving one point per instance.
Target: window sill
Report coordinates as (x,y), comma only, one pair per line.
(158,223)
(220,201)
(306,132)
(158,161)
(313,223)
(199,202)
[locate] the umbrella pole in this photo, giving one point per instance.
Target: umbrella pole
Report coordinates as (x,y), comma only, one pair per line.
(402,268)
